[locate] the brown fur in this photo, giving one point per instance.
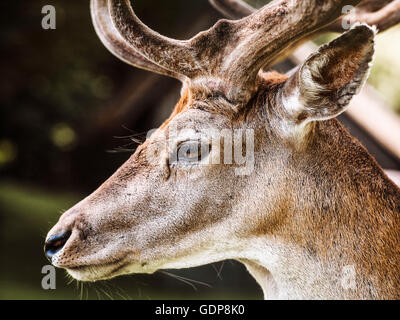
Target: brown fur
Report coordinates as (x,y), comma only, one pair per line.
(329,209)
(334,193)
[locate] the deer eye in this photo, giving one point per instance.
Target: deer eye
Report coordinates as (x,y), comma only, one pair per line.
(191,152)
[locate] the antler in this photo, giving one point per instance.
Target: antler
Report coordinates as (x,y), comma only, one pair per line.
(117,45)
(271,30)
(384,14)
(227,57)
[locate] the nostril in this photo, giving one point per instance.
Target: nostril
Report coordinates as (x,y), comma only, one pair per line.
(55,244)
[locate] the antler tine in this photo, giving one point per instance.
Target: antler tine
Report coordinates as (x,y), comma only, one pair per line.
(174,55)
(117,45)
(233,9)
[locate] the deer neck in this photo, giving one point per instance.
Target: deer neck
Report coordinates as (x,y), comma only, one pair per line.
(335,234)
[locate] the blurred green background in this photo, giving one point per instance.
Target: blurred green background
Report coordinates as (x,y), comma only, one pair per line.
(65,104)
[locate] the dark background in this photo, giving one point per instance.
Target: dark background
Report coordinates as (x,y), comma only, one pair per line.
(66,106)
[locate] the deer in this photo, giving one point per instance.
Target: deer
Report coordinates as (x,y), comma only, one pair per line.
(314,210)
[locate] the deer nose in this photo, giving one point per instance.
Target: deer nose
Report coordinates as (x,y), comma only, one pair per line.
(55,243)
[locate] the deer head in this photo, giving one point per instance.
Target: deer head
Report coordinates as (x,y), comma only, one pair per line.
(250,166)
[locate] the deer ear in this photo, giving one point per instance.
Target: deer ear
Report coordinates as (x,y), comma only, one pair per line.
(323,86)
